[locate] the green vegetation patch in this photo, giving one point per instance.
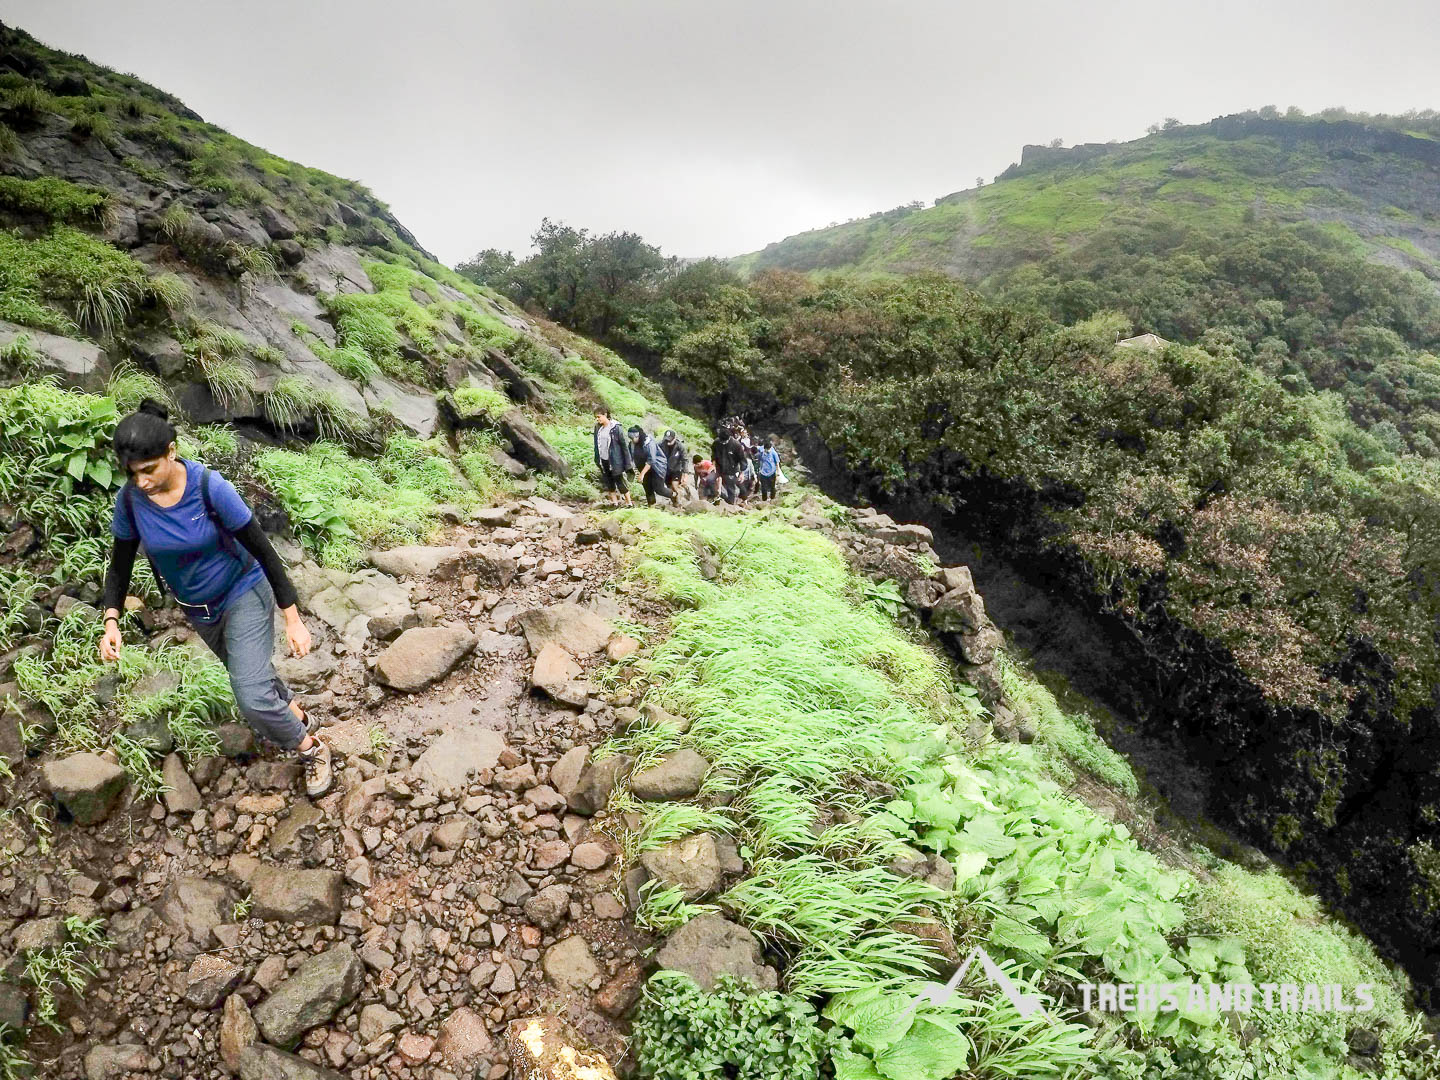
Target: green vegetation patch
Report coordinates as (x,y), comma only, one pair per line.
(342,505)
(53,198)
(804,697)
(67,279)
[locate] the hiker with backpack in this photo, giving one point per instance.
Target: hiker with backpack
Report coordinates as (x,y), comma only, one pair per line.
(205,546)
(676,467)
(612,458)
(649,458)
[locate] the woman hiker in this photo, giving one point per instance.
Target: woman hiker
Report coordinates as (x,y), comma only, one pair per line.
(190,518)
(650,460)
(612,458)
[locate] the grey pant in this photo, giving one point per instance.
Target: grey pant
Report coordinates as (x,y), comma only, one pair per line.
(244,640)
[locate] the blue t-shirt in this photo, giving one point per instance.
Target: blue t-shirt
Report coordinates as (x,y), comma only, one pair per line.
(768,461)
(183,540)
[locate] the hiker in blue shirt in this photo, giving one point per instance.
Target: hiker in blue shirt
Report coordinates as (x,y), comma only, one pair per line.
(649,458)
(194,524)
(767,464)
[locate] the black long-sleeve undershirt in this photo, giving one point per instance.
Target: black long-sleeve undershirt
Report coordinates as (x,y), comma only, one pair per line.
(252,537)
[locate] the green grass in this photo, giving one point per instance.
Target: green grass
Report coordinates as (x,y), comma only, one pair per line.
(342,505)
(1070,735)
(478,401)
(66,280)
(221,356)
(799,692)
(54,199)
(292,401)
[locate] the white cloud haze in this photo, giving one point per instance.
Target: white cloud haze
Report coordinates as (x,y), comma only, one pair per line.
(717,128)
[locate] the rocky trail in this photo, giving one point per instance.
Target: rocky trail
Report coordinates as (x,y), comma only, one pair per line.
(453,880)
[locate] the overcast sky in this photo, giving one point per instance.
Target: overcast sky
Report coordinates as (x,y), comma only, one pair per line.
(716,127)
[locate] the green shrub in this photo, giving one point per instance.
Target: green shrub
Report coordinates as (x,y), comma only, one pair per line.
(128,386)
(220,355)
(684,1033)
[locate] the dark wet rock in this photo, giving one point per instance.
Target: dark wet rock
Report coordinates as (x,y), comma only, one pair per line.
(319,988)
(709,946)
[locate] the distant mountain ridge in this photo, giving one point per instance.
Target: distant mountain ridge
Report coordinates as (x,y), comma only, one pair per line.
(1380,184)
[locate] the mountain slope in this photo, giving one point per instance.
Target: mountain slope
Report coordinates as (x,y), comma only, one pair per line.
(1375,185)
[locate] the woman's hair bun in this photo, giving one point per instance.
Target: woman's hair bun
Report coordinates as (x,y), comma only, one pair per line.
(154,408)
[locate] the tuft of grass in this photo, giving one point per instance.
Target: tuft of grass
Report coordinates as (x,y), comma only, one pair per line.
(128,386)
(173,291)
(342,504)
(1070,735)
(220,355)
(473,401)
(292,400)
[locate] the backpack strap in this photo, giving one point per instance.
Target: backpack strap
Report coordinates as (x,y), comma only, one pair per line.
(127,499)
(227,539)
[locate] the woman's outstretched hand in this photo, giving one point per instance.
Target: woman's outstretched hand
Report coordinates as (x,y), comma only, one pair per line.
(296,631)
(110,643)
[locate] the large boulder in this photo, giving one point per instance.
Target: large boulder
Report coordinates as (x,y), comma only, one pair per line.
(87,785)
(423,655)
(569,964)
(709,946)
(675,776)
(530,447)
(193,907)
(419,560)
(319,988)
(79,364)
(959,611)
(118,1062)
(287,894)
(237,1031)
(415,409)
(546,1048)
(276,224)
(553,670)
(451,759)
(691,863)
(181,794)
(577,630)
(517,384)
(339,599)
(209,978)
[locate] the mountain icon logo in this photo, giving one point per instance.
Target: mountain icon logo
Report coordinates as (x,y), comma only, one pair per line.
(939,993)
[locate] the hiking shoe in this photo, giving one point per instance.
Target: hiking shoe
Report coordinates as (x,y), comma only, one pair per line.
(319,773)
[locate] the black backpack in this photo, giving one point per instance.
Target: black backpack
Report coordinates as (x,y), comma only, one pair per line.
(227,539)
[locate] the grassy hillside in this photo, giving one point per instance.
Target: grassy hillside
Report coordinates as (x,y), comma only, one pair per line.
(1373,186)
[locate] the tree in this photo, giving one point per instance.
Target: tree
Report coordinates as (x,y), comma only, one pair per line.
(491,267)
(1056,144)
(1171,123)
(616,266)
(979,181)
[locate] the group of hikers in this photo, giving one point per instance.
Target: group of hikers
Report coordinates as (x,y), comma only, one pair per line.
(739,466)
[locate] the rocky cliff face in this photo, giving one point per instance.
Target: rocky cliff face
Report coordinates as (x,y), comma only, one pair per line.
(262,292)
